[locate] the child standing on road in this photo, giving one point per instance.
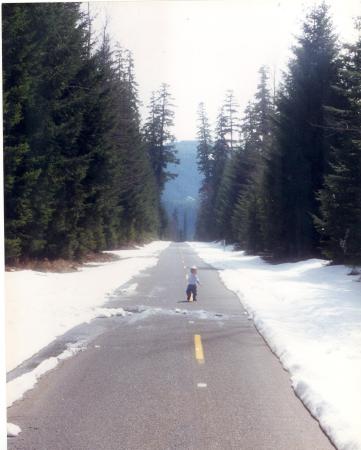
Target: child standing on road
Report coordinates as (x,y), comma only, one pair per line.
(193,280)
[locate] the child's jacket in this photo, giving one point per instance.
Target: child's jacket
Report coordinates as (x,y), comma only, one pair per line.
(193,279)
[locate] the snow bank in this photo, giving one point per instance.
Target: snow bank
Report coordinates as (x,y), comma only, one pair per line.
(41,306)
(310,315)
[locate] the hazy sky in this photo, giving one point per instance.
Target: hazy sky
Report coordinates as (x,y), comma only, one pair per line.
(203,48)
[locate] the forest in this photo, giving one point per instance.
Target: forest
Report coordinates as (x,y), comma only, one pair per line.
(285,180)
(81,173)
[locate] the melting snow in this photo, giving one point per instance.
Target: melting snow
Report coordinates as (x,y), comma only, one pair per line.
(17,387)
(310,315)
(60,301)
(13,430)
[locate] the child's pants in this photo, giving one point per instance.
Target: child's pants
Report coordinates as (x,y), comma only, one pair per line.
(191,289)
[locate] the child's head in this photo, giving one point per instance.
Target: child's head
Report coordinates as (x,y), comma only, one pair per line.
(193,269)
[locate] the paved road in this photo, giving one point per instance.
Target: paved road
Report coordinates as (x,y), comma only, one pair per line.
(139,384)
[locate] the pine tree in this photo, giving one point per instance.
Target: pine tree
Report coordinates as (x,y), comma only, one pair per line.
(64,95)
(205,146)
(230,111)
(219,188)
(138,199)
(220,155)
(159,144)
(340,219)
(51,120)
(221,151)
(158,136)
(78,176)
(102,226)
(248,216)
(205,160)
(302,147)
(21,55)
(228,185)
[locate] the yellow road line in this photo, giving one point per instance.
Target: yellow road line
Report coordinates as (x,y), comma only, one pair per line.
(198,348)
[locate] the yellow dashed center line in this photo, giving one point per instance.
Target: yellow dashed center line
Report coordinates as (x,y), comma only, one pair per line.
(198,348)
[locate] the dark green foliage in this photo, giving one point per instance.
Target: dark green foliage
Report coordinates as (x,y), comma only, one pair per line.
(50,118)
(158,136)
(302,145)
(248,221)
(247,218)
(239,214)
(139,197)
(206,165)
(204,147)
(159,146)
(207,226)
(77,174)
(236,169)
(293,186)
(340,219)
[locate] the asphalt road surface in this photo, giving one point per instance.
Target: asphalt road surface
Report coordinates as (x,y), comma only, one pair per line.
(199,378)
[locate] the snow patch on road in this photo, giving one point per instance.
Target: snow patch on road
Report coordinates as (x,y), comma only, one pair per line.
(13,430)
(310,315)
(130,289)
(110,312)
(17,387)
(41,306)
(144,312)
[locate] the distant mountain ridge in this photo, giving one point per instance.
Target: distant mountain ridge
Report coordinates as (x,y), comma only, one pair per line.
(182,193)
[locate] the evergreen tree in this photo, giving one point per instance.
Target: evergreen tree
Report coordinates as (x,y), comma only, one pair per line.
(239,188)
(218,186)
(158,136)
(21,55)
(205,160)
(52,118)
(139,198)
(230,110)
(220,156)
(263,110)
(256,130)
(101,223)
(159,143)
(227,157)
(78,177)
(221,150)
(205,146)
(303,146)
(340,219)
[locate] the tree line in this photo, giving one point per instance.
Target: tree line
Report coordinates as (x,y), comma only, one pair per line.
(285,181)
(81,174)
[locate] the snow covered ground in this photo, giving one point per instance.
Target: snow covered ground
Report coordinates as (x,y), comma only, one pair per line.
(41,306)
(310,315)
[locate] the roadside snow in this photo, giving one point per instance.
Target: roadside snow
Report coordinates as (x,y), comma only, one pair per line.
(41,306)
(13,430)
(17,387)
(310,315)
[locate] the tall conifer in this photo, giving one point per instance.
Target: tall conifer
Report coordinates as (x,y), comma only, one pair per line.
(303,146)
(340,219)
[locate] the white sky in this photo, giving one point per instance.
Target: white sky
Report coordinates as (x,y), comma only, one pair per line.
(203,48)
